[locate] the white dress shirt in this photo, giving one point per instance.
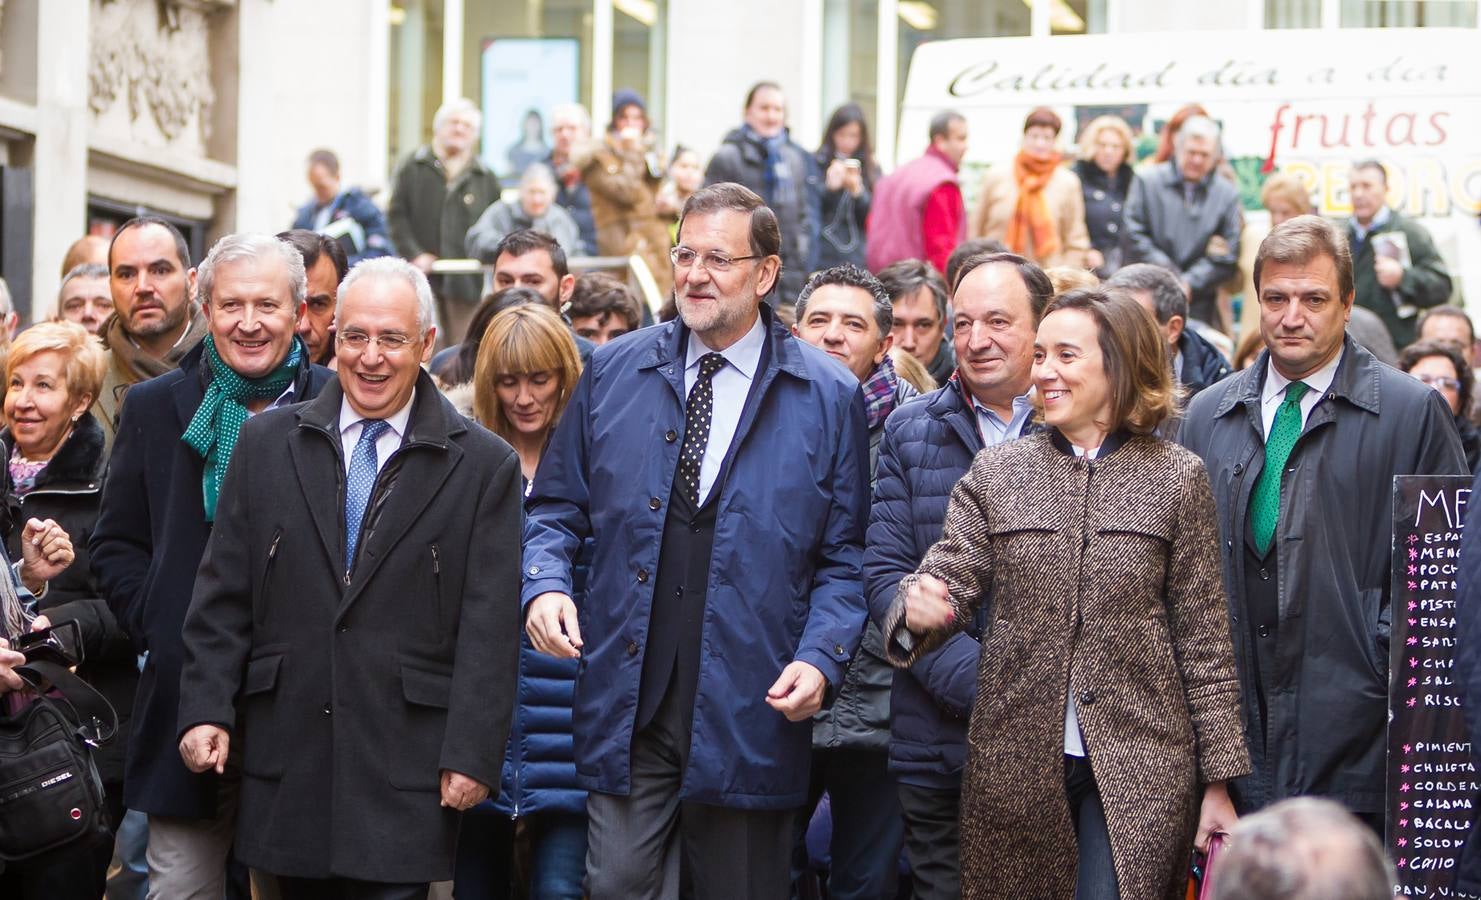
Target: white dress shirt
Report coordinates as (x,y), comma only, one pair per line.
(1074,742)
(1275,391)
(351,424)
(730,385)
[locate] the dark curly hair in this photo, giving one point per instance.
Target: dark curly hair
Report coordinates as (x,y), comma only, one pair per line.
(850,275)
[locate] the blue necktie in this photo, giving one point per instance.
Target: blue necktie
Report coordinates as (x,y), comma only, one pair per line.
(363,469)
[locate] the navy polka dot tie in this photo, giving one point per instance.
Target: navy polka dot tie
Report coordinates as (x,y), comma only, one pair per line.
(363,469)
(698,410)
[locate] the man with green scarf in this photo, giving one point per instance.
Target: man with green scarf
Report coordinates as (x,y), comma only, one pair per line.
(175,438)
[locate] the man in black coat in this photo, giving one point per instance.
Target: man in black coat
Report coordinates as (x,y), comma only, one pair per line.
(355,626)
(761,155)
(1196,363)
(1302,449)
(155,516)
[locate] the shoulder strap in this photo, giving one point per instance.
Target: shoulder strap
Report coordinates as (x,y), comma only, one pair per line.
(95,717)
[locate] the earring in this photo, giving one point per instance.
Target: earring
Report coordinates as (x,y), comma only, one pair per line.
(76,417)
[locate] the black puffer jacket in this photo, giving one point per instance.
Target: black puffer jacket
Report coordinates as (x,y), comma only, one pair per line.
(742,159)
(68,490)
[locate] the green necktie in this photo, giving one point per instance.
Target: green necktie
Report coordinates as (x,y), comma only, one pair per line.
(1265,502)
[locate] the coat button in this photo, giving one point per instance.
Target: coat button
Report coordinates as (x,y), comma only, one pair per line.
(327,710)
(671,435)
(1263,631)
(1112,227)
(343,629)
(642,576)
(654,503)
(1264,574)
(632,648)
(1087,698)
(1238,469)
(838,649)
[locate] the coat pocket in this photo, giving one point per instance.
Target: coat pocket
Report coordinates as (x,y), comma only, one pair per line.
(415,762)
(262,751)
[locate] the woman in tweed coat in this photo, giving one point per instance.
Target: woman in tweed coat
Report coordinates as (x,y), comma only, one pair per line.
(1107,717)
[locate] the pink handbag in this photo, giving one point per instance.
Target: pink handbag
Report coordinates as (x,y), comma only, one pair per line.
(1215,846)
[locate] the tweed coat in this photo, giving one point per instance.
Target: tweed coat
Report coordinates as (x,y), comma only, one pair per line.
(1105,581)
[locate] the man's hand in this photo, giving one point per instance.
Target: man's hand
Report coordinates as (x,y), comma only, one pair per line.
(1389,272)
(9,659)
(205,747)
(460,792)
(552,626)
(46,551)
(424,262)
(928,605)
(798,693)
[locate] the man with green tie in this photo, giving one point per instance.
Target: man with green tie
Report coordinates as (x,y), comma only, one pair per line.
(1302,448)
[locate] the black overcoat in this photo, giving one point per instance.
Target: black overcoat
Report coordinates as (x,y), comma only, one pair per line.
(345,700)
(145,550)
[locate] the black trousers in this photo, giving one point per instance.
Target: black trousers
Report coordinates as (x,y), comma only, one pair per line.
(636,843)
(348,889)
(931,841)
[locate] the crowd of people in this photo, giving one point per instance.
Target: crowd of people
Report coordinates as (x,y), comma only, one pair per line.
(903,552)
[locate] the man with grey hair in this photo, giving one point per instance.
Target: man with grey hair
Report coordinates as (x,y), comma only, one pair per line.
(1183,216)
(176,435)
(438,192)
(570,128)
(536,208)
(1304,848)
(84,298)
(918,211)
(391,609)
(1196,363)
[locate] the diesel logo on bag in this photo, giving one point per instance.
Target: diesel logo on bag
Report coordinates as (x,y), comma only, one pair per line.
(55,779)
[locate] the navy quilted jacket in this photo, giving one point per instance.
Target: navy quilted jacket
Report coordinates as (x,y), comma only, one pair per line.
(928,446)
(540,759)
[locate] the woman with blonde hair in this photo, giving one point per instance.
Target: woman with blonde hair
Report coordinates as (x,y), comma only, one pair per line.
(526,370)
(1104,170)
(54,462)
(1034,205)
(1108,718)
(1285,197)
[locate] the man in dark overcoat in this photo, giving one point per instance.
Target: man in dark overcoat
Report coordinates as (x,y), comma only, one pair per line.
(1302,449)
(156,513)
(355,625)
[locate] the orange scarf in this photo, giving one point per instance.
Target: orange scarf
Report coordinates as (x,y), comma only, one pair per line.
(1031,213)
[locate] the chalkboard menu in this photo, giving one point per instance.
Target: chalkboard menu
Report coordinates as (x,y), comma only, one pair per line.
(1432,783)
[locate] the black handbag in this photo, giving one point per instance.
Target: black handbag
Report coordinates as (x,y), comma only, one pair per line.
(50,791)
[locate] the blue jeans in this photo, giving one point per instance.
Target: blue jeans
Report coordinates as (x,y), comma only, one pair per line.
(486,867)
(1097,874)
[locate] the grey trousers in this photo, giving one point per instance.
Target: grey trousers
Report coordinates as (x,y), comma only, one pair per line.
(187,857)
(637,844)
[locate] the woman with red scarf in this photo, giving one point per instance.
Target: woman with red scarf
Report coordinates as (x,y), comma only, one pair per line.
(1035,206)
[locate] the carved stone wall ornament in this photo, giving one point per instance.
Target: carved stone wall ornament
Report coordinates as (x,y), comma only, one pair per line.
(156,54)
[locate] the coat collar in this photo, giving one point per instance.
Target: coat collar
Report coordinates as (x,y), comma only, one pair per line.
(430,424)
(783,353)
(78,463)
(1356,381)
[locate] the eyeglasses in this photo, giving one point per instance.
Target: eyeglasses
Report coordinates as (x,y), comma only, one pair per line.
(386,343)
(1439,382)
(711,260)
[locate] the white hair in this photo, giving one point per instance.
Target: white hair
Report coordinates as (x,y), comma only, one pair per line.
(235,248)
(565,112)
(389,268)
(453,107)
(1197,126)
(7,306)
(537,173)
